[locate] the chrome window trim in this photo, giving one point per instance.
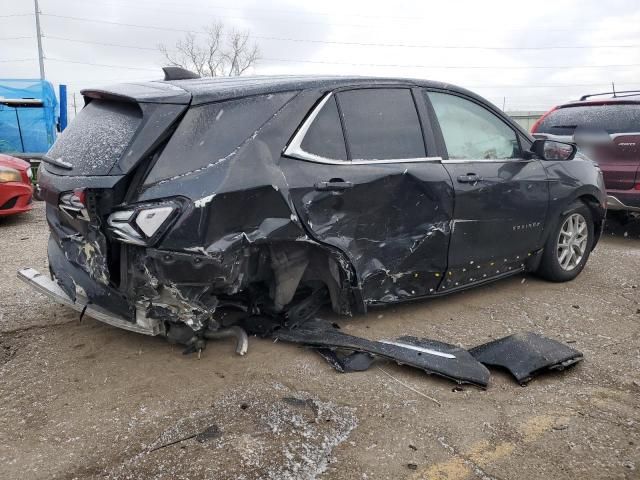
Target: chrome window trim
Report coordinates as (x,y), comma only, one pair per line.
(492,160)
(616,135)
(294,148)
(570,138)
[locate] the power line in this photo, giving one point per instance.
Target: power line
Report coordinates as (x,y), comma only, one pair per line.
(18,60)
(102,64)
(383,18)
(270,10)
(100,43)
(364,44)
(16,38)
(461,67)
(335,42)
(17,15)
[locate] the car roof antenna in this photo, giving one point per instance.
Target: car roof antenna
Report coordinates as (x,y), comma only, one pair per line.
(613,87)
(178,73)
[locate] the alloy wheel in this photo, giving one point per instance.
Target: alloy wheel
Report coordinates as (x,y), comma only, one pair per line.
(572,241)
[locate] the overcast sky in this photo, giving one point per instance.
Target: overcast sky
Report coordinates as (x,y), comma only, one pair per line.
(529,55)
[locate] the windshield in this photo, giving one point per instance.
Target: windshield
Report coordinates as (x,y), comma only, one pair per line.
(97,137)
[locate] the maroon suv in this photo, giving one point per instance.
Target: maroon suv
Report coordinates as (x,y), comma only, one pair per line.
(608,130)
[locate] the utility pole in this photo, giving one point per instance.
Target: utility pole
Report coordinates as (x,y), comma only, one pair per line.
(39,36)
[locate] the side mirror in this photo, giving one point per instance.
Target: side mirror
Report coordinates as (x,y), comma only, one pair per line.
(552,150)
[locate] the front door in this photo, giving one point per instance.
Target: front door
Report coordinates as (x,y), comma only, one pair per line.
(501,198)
(362,181)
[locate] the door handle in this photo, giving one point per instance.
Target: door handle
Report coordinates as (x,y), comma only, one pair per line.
(335,184)
(469,178)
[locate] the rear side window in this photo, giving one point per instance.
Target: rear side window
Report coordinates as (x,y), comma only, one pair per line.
(472,132)
(97,137)
(209,133)
(324,137)
(616,118)
(381,124)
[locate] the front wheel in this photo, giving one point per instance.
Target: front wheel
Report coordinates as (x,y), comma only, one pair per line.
(568,246)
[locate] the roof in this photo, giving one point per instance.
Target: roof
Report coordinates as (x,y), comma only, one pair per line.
(618,99)
(205,90)
(213,89)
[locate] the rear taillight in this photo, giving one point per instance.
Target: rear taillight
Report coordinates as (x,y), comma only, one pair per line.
(143,224)
(536,125)
(74,203)
(637,187)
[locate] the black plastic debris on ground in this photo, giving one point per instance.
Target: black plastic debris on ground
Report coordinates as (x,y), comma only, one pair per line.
(526,355)
(433,357)
(345,363)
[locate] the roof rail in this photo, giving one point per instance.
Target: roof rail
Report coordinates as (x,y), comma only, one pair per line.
(178,73)
(615,94)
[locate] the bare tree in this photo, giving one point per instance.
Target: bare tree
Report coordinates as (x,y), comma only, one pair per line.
(214,53)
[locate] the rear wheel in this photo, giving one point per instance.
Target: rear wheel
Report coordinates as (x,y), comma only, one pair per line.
(568,246)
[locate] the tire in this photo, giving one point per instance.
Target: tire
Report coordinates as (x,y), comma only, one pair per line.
(566,251)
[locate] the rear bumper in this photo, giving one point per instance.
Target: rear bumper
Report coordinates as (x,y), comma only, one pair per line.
(15,198)
(628,200)
(51,289)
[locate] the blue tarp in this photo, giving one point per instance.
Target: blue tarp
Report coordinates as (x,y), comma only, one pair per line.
(37,124)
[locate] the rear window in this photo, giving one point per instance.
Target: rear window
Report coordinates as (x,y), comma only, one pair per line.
(97,137)
(324,138)
(616,118)
(209,133)
(381,124)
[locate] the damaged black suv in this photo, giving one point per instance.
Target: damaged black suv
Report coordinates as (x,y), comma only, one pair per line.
(169,201)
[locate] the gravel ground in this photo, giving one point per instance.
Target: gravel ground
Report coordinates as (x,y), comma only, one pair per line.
(85,400)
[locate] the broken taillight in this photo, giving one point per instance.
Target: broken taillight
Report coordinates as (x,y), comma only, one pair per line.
(143,224)
(74,203)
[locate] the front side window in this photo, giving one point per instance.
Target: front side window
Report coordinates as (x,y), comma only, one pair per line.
(472,132)
(381,124)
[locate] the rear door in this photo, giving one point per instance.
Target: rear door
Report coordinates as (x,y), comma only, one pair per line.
(364,179)
(501,198)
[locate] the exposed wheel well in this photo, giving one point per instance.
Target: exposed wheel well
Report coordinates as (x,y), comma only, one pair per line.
(597,213)
(287,269)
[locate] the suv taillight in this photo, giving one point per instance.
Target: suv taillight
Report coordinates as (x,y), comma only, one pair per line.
(74,203)
(142,224)
(535,126)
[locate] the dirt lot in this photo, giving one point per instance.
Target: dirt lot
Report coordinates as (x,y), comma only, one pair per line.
(84,400)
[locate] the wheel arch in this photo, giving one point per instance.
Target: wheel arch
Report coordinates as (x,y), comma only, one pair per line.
(598,214)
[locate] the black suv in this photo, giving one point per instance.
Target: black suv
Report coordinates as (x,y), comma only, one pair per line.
(171,200)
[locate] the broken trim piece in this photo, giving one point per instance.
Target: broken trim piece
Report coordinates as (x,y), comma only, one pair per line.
(461,368)
(50,288)
(526,355)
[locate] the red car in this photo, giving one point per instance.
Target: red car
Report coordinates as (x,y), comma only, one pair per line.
(607,130)
(16,191)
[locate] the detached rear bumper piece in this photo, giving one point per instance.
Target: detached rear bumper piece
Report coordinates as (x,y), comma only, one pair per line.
(624,200)
(433,357)
(526,355)
(50,288)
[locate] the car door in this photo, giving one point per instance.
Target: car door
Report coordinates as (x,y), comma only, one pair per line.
(501,197)
(363,179)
